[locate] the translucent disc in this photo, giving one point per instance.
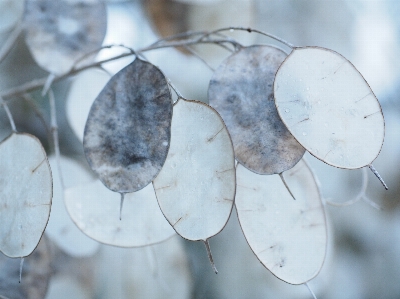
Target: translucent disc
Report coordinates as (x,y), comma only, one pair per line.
(288,236)
(196,187)
(241,90)
(329,107)
(26,193)
(61,229)
(96,211)
(58,33)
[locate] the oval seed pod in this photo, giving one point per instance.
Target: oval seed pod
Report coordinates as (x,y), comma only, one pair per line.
(329,107)
(288,236)
(196,187)
(241,90)
(92,207)
(128,130)
(60,228)
(26,193)
(58,33)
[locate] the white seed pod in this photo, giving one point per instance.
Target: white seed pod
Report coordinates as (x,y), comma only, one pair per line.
(26,193)
(128,130)
(329,107)
(61,229)
(58,33)
(96,212)
(241,90)
(158,271)
(288,236)
(37,271)
(196,187)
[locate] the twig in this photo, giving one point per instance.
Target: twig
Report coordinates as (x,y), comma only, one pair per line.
(286,185)
(194,53)
(178,94)
(312,293)
(375,172)
(9,115)
(10,42)
(207,244)
(250,30)
(37,83)
(28,99)
(360,196)
(54,130)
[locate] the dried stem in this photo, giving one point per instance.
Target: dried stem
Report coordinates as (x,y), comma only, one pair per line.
(194,53)
(9,115)
(312,293)
(210,256)
(178,94)
(37,83)
(54,130)
(29,100)
(360,196)
(10,42)
(20,269)
(121,205)
(286,185)
(375,172)
(250,30)
(47,85)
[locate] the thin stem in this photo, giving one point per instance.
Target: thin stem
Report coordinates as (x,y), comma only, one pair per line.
(121,205)
(360,196)
(286,185)
(96,51)
(37,83)
(20,269)
(250,30)
(207,244)
(154,268)
(10,42)
(312,293)
(54,130)
(47,85)
(375,172)
(9,115)
(194,53)
(343,204)
(28,99)
(178,94)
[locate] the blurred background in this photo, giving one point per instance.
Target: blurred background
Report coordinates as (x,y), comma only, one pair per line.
(363,259)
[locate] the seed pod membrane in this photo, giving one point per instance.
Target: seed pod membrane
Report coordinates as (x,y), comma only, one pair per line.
(241,90)
(127,133)
(288,236)
(26,193)
(58,33)
(95,211)
(329,107)
(196,187)
(60,228)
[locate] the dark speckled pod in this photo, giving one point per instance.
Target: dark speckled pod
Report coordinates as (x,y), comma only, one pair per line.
(60,32)
(241,90)
(128,130)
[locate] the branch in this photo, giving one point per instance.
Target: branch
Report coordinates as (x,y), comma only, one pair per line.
(38,83)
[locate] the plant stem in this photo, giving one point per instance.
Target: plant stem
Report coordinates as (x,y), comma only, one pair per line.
(210,256)
(37,83)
